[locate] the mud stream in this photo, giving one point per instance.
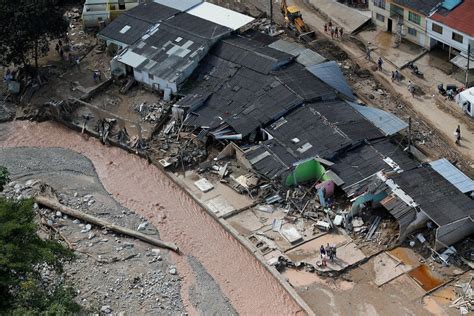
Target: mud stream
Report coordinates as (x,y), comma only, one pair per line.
(251,289)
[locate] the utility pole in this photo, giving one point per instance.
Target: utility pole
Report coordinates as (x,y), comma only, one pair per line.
(271,13)
(409,135)
(467,68)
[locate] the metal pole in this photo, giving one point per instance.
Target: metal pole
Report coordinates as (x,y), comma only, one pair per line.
(409,134)
(271,12)
(467,68)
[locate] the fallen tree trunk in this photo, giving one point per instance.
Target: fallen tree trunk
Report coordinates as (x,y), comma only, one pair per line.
(55,205)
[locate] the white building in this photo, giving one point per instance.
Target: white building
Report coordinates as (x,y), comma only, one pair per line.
(96,12)
(452,27)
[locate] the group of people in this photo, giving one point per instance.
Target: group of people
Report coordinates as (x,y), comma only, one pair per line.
(334,30)
(327,252)
(68,57)
(396,76)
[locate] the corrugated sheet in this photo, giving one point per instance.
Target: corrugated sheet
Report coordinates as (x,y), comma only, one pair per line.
(455,176)
(439,199)
(385,121)
(181,5)
(330,73)
(220,15)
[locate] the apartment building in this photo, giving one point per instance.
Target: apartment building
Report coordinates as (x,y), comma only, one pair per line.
(405,18)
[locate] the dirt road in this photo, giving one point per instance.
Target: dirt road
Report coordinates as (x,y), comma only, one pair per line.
(249,288)
(426,105)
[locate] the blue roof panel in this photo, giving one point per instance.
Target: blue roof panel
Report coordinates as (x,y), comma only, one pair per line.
(455,176)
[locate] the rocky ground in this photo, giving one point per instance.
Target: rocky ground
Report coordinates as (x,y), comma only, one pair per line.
(112,273)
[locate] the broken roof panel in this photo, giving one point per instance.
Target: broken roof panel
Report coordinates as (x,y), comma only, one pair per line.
(220,15)
(387,122)
(304,56)
(181,5)
(436,196)
(330,73)
(455,176)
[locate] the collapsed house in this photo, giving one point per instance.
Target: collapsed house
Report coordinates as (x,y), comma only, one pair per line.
(422,195)
(291,110)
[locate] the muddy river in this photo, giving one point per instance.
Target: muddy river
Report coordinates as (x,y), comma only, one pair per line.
(251,289)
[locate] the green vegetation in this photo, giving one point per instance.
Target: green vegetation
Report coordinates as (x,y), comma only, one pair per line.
(27,27)
(3,177)
(22,252)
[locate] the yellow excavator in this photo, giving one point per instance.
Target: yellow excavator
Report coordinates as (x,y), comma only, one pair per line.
(294,19)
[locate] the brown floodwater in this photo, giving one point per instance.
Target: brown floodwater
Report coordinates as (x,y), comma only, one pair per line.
(141,187)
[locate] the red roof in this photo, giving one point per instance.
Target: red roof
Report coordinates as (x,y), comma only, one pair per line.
(460,19)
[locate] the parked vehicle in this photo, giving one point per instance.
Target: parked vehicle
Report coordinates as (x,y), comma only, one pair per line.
(415,70)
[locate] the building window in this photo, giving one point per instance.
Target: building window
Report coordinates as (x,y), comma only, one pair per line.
(413,17)
(437,28)
(412,31)
(121,4)
(151,77)
(379,3)
(457,37)
(380,17)
(396,10)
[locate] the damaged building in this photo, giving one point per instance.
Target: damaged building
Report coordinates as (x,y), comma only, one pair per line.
(288,113)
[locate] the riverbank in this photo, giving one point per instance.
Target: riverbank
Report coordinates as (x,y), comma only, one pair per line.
(141,187)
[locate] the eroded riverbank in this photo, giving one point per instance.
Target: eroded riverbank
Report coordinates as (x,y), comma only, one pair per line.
(141,187)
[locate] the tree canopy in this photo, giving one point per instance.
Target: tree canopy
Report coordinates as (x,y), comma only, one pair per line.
(22,252)
(27,27)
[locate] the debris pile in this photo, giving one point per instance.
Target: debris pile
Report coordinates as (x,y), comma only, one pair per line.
(465,300)
(153,113)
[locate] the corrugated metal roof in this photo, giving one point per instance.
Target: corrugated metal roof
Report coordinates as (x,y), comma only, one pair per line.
(132,59)
(305,56)
(330,73)
(453,175)
(385,121)
(461,18)
(181,5)
(220,15)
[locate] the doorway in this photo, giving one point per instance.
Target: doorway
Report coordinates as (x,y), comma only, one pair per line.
(389,25)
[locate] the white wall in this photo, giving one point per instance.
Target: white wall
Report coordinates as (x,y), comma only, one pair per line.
(446,37)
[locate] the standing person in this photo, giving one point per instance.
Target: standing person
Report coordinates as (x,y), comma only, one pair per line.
(57,48)
(322,251)
(330,24)
(393,76)
(368,53)
(411,88)
(398,76)
(332,32)
(336,32)
(61,53)
(325,27)
(60,43)
(380,63)
(334,247)
(341,31)
(457,133)
(78,63)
